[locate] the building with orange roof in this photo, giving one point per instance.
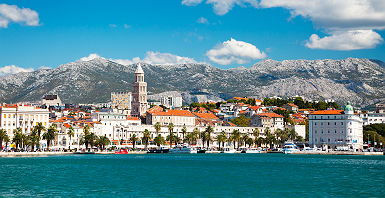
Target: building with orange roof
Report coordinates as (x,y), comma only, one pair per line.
(336,129)
(177,117)
(271,120)
(291,107)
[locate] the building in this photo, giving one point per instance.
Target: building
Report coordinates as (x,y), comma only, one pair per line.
(291,107)
(171,102)
(271,120)
(373,118)
(336,128)
(177,117)
(121,100)
(51,100)
(380,107)
(22,116)
(139,94)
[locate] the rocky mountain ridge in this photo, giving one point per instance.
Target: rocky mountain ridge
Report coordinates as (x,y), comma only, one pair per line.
(358,80)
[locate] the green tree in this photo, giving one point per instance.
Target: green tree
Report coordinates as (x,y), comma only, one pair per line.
(18,137)
(6,140)
(103,141)
(292,134)
(209,130)
(50,134)
(235,137)
(241,121)
(250,141)
(39,128)
(3,133)
(33,140)
(134,139)
(146,138)
(171,137)
(71,133)
(244,139)
(157,127)
(184,131)
(221,139)
(159,140)
(171,134)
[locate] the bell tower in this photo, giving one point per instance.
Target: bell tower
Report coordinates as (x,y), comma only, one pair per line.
(139,93)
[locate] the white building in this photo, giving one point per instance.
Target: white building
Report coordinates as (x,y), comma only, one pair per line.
(271,120)
(177,117)
(171,101)
(23,116)
(373,118)
(336,128)
(51,100)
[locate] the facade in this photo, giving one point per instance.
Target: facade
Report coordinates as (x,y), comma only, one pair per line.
(336,128)
(121,100)
(139,94)
(177,117)
(51,100)
(291,107)
(171,101)
(271,120)
(373,118)
(23,116)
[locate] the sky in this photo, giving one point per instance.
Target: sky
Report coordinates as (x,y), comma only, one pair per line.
(224,33)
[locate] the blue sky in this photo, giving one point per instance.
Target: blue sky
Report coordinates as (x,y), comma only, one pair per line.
(192,30)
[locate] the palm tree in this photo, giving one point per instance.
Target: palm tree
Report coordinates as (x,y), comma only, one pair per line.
(18,137)
(39,128)
(3,133)
(259,141)
(33,140)
(221,138)
(50,134)
(134,139)
(158,127)
(171,134)
(250,141)
(146,137)
(159,140)
(235,137)
(292,134)
(184,131)
(244,139)
(195,135)
(70,133)
(25,141)
(171,137)
(86,130)
(6,140)
(103,141)
(208,132)
(256,133)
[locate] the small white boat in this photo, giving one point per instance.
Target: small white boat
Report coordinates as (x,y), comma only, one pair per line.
(182,149)
(228,150)
(290,148)
(251,150)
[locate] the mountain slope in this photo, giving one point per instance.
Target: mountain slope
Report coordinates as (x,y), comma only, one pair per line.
(358,80)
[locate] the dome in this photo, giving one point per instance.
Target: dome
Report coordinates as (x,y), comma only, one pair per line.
(348,107)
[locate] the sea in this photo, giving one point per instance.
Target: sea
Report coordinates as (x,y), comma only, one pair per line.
(193,175)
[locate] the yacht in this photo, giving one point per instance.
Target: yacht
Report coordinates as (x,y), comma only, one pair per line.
(182,149)
(228,150)
(290,148)
(251,150)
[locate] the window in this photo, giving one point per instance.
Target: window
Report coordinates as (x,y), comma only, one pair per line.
(342,123)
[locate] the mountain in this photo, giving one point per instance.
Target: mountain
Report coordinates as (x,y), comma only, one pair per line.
(358,80)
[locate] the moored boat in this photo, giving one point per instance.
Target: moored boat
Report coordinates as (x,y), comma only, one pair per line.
(182,149)
(228,150)
(125,151)
(251,150)
(290,148)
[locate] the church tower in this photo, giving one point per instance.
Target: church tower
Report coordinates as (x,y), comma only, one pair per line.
(139,94)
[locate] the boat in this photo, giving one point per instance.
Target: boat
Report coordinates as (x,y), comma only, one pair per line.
(228,150)
(201,151)
(290,148)
(84,152)
(125,151)
(182,149)
(160,150)
(251,150)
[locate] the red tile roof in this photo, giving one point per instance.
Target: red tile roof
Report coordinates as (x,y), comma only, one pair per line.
(174,113)
(271,115)
(206,116)
(328,112)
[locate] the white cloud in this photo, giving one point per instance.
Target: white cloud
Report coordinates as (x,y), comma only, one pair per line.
(166,58)
(126,26)
(113,25)
(234,51)
(346,40)
(12,13)
(12,69)
(222,7)
(350,23)
(90,57)
(347,14)
(191,2)
(202,20)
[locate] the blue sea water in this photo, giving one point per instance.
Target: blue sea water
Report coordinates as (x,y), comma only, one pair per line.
(195,175)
